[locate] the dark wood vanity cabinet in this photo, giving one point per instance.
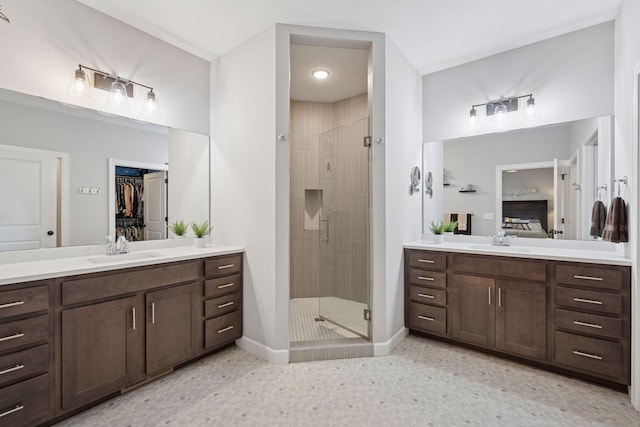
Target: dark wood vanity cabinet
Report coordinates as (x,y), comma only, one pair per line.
(508,314)
(69,342)
(572,316)
(592,320)
(26,340)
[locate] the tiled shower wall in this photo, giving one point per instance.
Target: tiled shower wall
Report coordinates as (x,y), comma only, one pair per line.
(308,121)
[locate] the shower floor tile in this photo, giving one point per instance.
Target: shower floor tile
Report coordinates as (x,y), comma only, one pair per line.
(304,327)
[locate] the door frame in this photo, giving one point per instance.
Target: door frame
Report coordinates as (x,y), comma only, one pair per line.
(112,185)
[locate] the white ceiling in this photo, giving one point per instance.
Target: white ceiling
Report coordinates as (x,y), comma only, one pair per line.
(433,34)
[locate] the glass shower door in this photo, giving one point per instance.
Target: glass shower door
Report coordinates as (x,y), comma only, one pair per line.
(344,230)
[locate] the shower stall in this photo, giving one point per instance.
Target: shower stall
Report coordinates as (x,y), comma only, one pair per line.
(330,229)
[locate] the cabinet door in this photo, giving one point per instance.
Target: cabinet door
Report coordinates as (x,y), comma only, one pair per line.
(472,309)
(174,329)
(98,352)
(521,318)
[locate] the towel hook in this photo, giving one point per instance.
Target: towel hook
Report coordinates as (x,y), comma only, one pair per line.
(602,187)
(620,180)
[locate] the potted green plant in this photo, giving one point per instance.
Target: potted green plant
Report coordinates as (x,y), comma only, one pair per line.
(437,228)
(179,228)
(449,227)
(200,230)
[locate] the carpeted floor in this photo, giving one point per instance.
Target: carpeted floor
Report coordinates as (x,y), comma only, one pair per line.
(422,383)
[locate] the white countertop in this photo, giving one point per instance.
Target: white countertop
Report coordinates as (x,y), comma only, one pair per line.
(29,271)
(523,251)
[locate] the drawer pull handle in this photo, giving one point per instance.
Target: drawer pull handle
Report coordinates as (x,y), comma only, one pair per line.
(16,408)
(11,304)
(430,319)
(598,279)
(222,267)
(430,279)
(12,337)
(8,370)
(133,317)
(590,325)
(590,356)
(153,313)
(588,301)
(226,304)
(228,328)
(225,286)
(428,261)
(426,296)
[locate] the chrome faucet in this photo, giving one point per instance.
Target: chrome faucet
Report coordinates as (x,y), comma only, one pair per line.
(501,239)
(116,248)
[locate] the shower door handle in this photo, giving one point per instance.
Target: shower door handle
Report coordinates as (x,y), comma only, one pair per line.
(325,239)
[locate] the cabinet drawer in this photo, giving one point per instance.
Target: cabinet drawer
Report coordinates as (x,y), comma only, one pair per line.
(25,403)
(222,266)
(428,278)
(223,329)
(589,277)
(592,324)
(116,284)
(427,295)
(221,286)
(22,364)
(23,332)
(589,300)
(482,265)
(24,301)
(589,354)
(221,305)
(428,260)
(427,318)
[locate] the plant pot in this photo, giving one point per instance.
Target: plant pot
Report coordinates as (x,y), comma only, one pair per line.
(438,238)
(199,242)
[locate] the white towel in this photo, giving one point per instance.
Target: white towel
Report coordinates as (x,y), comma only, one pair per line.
(462,222)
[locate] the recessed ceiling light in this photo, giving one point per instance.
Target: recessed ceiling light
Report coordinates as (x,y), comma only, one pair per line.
(320,74)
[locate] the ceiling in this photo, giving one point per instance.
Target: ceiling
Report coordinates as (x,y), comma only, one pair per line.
(433,34)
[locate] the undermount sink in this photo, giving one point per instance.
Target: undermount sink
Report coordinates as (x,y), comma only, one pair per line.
(500,248)
(137,256)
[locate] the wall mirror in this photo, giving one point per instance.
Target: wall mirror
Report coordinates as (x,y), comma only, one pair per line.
(550,174)
(54,158)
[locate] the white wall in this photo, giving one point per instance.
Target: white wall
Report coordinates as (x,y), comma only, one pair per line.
(243,175)
(90,143)
(46,41)
(627,67)
(188,196)
(571,77)
(433,207)
(473,160)
(403,105)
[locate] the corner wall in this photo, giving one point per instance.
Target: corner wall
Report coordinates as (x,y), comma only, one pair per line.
(627,66)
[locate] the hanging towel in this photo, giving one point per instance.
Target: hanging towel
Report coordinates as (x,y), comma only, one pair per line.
(462,222)
(615,227)
(598,216)
(446,217)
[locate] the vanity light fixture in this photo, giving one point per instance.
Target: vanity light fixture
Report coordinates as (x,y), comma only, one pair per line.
(320,74)
(120,90)
(498,110)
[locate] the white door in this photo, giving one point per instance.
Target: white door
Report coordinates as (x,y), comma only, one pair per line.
(155,206)
(28,196)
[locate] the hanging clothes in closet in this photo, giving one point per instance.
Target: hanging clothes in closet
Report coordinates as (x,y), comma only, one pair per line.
(129,207)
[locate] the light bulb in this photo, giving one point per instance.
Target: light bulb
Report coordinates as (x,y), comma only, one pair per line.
(150,106)
(500,119)
(472,122)
(118,100)
(320,74)
(79,85)
(531,111)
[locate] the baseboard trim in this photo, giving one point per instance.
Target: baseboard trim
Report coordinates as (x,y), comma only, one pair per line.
(385,348)
(262,351)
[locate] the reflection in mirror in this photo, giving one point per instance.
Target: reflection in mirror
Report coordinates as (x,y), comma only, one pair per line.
(581,150)
(55,158)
